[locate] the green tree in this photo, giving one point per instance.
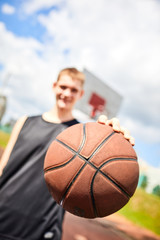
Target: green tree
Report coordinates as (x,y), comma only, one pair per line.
(144,182)
(156,190)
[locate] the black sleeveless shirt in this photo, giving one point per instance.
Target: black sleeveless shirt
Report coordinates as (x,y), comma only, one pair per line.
(27,210)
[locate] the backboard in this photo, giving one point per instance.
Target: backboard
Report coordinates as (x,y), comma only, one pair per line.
(99,98)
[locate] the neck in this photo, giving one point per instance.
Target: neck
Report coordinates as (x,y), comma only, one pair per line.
(57,115)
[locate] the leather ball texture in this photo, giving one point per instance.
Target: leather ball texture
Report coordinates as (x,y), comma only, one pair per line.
(91,170)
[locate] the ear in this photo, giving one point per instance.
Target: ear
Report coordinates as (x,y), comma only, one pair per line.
(54,86)
(82,93)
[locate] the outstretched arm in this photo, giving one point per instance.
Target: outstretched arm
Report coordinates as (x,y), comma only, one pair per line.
(16,130)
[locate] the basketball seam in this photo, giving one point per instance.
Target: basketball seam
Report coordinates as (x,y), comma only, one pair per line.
(59,166)
(97,170)
(71,183)
(118,159)
(100,145)
(76,154)
(87,161)
(73,151)
(117,184)
(112,180)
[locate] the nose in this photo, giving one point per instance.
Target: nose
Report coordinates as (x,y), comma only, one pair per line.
(67,92)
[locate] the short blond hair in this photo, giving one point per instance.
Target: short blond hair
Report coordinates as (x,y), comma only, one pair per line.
(73,73)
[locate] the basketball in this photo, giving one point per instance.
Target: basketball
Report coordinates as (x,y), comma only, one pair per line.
(91,170)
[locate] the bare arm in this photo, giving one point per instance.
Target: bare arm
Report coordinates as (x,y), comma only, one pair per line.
(16,130)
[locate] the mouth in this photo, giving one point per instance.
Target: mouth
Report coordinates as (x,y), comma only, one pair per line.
(64,101)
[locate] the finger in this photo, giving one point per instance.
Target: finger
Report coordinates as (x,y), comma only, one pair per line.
(114,122)
(132,141)
(127,135)
(102,119)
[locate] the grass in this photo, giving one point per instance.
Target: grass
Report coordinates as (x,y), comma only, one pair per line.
(144,210)
(4,137)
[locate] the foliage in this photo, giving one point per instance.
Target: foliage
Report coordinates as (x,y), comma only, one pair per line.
(156,190)
(144,182)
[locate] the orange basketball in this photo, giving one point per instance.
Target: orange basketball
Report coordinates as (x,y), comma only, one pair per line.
(91,170)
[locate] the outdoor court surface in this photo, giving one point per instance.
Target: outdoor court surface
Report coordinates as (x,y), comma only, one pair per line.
(113,227)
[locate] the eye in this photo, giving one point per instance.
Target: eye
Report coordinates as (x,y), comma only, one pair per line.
(63,87)
(74,90)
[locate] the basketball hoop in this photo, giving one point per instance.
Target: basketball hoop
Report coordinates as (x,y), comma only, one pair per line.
(97,103)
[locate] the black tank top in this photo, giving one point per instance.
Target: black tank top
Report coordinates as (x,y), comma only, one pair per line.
(27,210)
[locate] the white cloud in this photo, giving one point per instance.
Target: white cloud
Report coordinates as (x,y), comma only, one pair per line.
(148,133)
(7,9)
(32,6)
(29,87)
(118,41)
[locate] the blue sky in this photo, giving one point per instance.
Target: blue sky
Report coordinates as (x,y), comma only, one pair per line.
(22,26)
(118,41)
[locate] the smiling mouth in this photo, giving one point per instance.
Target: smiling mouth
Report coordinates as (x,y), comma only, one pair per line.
(65,100)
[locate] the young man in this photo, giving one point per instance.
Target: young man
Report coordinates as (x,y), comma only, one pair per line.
(27,210)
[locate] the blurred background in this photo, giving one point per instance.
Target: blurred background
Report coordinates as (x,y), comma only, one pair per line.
(116,44)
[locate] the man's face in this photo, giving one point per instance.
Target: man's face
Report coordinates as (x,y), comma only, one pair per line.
(67,92)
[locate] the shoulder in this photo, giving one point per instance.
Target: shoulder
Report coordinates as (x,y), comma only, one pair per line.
(18,125)
(21,121)
(13,138)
